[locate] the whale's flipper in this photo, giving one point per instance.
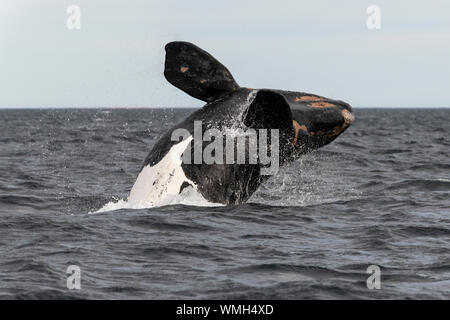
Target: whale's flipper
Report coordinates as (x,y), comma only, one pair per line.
(269,110)
(196,72)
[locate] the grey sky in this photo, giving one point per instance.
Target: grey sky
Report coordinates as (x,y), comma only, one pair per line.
(321,46)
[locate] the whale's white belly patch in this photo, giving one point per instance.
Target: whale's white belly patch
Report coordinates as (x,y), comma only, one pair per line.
(155,185)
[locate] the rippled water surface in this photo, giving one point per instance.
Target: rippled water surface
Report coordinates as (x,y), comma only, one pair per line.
(379,194)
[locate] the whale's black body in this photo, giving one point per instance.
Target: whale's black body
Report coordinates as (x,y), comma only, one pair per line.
(305,121)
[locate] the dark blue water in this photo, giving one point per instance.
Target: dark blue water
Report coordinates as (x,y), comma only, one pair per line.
(378,195)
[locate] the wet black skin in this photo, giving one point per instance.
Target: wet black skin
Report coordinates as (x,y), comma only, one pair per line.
(305,121)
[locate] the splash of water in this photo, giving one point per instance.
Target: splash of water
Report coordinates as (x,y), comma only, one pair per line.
(189,196)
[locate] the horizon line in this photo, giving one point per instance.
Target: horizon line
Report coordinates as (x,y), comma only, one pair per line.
(157,107)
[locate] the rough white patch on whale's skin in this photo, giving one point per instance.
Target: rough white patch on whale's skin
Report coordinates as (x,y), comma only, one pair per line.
(156,184)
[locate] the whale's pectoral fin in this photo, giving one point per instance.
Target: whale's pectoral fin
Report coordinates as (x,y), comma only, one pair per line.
(196,72)
(270,110)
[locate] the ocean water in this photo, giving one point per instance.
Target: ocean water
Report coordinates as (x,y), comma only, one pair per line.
(378,195)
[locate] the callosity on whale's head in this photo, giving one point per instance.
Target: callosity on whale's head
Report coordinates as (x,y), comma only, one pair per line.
(305,122)
(317,120)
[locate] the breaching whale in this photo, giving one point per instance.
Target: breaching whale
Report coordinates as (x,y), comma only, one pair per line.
(304,122)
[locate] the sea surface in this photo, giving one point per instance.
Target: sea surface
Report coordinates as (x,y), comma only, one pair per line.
(378,195)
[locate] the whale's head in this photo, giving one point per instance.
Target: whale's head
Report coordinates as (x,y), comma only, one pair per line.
(317,121)
(306,122)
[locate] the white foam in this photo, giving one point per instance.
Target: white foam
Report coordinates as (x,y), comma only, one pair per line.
(189,196)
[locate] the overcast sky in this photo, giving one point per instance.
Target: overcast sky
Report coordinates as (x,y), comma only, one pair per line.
(322,46)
